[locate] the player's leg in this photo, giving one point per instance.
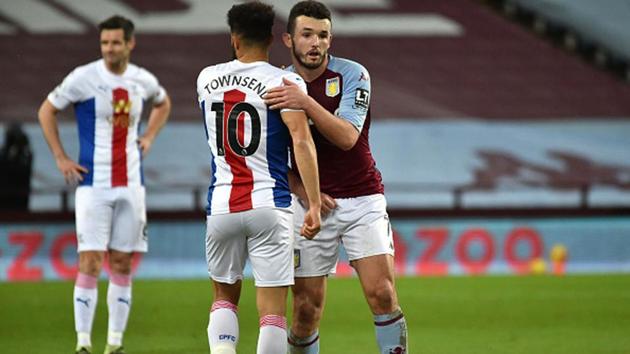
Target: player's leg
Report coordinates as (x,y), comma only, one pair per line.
(368,240)
(314,260)
(376,274)
(128,236)
(223,331)
(85,297)
(226,253)
(271,303)
(309,296)
(270,251)
(118,298)
(93,213)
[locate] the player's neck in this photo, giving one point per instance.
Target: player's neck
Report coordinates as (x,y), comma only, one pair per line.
(252,54)
(117,68)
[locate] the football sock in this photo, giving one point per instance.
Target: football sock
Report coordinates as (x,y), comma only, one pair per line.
(272,338)
(391,332)
(118,305)
(308,345)
(84,299)
(223,327)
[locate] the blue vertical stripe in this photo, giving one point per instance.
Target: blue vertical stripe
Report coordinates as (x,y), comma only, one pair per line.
(212,182)
(277,158)
(212,164)
(85,113)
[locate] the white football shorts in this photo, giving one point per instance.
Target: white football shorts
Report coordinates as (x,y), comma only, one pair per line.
(361,224)
(263,235)
(111,219)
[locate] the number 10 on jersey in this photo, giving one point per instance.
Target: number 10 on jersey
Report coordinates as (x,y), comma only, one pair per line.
(230,124)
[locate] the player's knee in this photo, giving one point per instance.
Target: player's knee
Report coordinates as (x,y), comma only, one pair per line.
(307,314)
(90,263)
(382,298)
(120,265)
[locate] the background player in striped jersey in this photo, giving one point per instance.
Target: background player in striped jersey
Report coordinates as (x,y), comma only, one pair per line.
(352,193)
(249,201)
(108,96)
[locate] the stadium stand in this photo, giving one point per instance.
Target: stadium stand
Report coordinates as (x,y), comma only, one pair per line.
(598,32)
(469,109)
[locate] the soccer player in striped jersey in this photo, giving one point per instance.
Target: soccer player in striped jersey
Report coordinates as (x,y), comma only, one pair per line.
(249,213)
(352,192)
(110,214)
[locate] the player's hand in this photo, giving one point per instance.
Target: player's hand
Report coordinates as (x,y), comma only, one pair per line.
(312,223)
(71,171)
(328,204)
(145,144)
(289,95)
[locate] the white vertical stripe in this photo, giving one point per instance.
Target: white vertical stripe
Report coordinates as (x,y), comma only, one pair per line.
(102,145)
(262,195)
(133,156)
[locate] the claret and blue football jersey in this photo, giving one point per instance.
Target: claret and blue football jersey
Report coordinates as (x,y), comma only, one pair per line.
(108,109)
(248,142)
(344,90)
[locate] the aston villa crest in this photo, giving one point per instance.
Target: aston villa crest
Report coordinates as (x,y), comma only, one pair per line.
(332,87)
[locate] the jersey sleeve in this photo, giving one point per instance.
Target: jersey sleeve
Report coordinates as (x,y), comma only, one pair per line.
(355,99)
(69,91)
(154,91)
(295,78)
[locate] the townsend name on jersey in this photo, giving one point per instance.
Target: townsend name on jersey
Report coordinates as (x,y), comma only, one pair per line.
(236,80)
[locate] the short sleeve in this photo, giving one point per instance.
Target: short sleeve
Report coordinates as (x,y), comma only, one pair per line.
(355,99)
(69,91)
(155,92)
(295,78)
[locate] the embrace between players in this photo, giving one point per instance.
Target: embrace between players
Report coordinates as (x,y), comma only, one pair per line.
(292,178)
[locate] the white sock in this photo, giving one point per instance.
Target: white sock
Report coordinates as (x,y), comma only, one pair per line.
(85,296)
(391,332)
(118,305)
(272,338)
(223,327)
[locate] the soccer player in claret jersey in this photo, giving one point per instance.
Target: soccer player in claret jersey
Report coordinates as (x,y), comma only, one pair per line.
(108,96)
(249,200)
(352,192)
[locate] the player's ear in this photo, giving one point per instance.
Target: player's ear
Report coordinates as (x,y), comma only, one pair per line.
(132,42)
(286,39)
(235,41)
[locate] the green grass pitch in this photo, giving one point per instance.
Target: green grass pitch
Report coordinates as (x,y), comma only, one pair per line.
(495,314)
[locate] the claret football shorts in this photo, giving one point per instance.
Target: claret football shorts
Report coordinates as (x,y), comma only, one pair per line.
(111,218)
(361,224)
(263,235)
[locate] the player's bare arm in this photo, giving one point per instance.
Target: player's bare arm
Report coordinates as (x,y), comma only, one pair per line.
(306,159)
(337,130)
(158,117)
(297,188)
(48,121)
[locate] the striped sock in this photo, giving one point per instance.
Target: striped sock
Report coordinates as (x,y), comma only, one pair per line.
(391,332)
(84,298)
(308,345)
(118,306)
(223,327)
(272,338)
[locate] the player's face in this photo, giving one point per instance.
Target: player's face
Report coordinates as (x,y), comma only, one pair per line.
(310,41)
(114,48)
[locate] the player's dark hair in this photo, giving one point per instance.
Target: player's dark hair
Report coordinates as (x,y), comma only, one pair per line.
(308,8)
(118,22)
(252,21)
